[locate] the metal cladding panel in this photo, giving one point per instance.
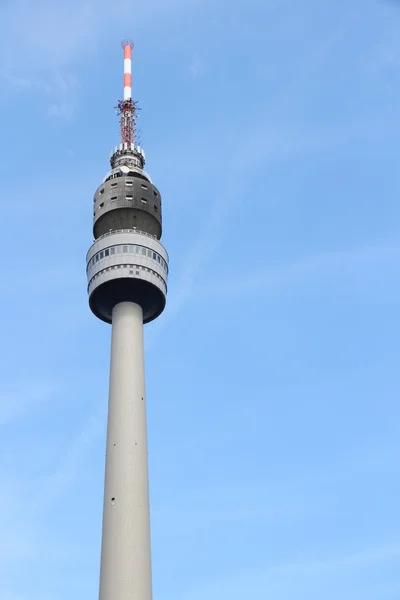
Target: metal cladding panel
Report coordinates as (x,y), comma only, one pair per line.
(127,192)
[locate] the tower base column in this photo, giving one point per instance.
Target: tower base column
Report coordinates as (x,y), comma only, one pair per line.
(125,572)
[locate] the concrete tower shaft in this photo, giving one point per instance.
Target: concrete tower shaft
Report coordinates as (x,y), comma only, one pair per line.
(125,554)
(127,272)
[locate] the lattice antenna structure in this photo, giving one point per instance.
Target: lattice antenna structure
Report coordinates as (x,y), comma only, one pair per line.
(138,136)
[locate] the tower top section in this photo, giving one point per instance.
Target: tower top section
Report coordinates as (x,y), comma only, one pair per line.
(127,153)
(127,262)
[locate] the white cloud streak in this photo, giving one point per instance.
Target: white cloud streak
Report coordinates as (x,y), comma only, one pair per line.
(197,66)
(41,42)
(72,463)
(304,579)
(52,35)
(64,110)
(17,402)
(323,265)
(280,145)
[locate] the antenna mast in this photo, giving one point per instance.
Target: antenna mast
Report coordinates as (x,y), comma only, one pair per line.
(127,108)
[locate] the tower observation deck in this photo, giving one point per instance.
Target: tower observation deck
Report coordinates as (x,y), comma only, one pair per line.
(127,269)
(127,262)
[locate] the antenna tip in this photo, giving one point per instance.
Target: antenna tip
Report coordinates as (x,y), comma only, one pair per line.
(127,43)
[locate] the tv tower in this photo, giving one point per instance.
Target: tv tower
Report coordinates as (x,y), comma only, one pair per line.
(127,270)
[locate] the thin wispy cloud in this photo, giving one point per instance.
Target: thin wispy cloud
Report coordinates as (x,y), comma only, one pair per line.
(50,36)
(302,493)
(310,578)
(55,36)
(197,66)
(65,110)
(72,462)
(58,89)
(25,538)
(43,43)
(367,260)
(267,143)
(20,400)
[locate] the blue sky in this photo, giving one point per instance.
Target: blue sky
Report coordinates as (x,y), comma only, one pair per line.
(272,129)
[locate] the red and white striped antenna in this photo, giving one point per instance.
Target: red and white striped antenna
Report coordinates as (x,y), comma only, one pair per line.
(127,46)
(127,107)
